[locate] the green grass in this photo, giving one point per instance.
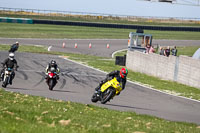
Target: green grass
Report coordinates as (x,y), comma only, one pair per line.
(108,64)
(12,30)
(30,114)
(185,50)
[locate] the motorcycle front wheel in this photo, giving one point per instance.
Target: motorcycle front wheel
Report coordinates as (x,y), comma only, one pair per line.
(5,83)
(51,84)
(94,98)
(107,95)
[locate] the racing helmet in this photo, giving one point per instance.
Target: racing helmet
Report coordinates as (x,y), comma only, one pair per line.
(53,63)
(123,72)
(11,56)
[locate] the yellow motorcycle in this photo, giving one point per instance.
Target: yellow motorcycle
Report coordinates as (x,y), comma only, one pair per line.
(108,91)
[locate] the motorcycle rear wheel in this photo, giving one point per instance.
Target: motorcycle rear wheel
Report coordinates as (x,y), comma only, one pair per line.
(107,95)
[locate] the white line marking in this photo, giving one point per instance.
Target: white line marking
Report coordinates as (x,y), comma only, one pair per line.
(113,54)
(82,64)
(49,48)
(132,81)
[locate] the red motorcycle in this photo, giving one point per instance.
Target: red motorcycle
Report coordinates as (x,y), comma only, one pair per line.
(52,78)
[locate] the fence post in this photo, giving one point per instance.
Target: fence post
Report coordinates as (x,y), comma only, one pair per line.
(176,69)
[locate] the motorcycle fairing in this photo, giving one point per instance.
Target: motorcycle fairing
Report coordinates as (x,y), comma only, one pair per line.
(112,83)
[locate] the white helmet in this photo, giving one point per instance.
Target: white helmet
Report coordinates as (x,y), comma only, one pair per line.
(11,56)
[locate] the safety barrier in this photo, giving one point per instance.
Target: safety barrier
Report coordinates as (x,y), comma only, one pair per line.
(122,26)
(181,69)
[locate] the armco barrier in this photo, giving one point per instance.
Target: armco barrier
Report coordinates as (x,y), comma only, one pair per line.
(181,69)
(90,24)
(16,20)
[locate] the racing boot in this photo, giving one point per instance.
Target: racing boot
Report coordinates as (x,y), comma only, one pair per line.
(10,81)
(11,78)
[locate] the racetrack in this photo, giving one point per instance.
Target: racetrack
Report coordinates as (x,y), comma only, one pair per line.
(77,84)
(98,45)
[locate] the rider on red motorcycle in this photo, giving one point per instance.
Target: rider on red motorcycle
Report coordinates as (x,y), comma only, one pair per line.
(10,62)
(120,75)
(48,68)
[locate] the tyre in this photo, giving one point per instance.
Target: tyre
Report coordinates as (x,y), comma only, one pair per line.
(94,98)
(5,83)
(51,84)
(107,95)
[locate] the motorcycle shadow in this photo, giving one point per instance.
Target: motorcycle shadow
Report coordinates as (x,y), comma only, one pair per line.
(65,91)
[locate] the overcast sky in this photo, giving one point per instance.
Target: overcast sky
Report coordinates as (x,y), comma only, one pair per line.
(121,7)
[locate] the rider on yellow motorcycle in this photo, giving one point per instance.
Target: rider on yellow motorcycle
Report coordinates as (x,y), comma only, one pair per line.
(120,76)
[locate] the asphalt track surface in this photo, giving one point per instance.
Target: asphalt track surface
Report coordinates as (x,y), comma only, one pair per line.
(99,46)
(77,84)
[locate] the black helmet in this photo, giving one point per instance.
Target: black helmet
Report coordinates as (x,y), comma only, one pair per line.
(53,63)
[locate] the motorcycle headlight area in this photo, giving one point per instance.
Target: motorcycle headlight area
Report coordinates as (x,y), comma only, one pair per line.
(7,72)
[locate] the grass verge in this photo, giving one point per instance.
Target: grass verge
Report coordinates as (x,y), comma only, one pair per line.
(23,113)
(108,65)
(12,30)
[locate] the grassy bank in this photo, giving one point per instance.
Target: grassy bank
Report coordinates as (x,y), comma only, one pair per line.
(11,30)
(30,114)
(109,65)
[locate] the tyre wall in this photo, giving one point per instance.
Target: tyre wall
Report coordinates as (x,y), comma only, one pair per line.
(16,20)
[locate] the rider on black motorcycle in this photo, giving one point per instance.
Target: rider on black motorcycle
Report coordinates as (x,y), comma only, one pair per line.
(14,47)
(48,68)
(10,62)
(120,76)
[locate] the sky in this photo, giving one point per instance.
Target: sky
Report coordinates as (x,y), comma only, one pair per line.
(119,7)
